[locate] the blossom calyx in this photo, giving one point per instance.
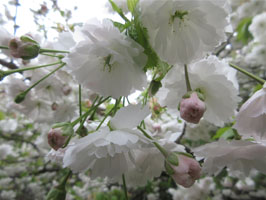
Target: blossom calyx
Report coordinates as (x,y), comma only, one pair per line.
(172,159)
(24,47)
(192,107)
(154,87)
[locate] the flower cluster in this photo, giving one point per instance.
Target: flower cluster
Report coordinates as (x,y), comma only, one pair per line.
(78,93)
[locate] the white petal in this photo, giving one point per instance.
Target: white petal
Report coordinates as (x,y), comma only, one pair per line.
(129,117)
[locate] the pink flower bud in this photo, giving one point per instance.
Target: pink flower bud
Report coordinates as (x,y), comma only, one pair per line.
(56,139)
(187,171)
(23,49)
(66,90)
(192,108)
(54,106)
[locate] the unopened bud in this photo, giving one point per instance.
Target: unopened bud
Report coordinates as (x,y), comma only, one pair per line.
(67,90)
(154,87)
(56,139)
(83,131)
(20,97)
(186,172)
(54,106)
(192,108)
(25,48)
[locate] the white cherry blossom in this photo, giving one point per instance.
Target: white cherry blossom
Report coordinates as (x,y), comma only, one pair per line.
(184,31)
(250,120)
(107,61)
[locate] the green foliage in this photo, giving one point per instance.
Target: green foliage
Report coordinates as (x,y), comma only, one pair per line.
(109,107)
(256,88)
(226,133)
(121,26)
(112,195)
(118,10)
(243,34)
(131,4)
(2,115)
(154,87)
(140,35)
(218,179)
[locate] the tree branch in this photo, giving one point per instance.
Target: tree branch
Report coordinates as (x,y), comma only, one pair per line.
(20,139)
(9,65)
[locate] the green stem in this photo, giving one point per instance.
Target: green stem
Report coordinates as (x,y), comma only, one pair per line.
(110,111)
(19,98)
(124,186)
(6,73)
(187,79)
(93,108)
(52,51)
(65,178)
(51,55)
(80,106)
(3,47)
(256,78)
(119,11)
(83,118)
(157,145)
(74,123)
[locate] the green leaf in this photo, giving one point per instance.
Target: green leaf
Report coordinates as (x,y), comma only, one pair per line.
(131,4)
(118,10)
(243,34)
(154,87)
(225,132)
(2,115)
(140,35)
(121,26)
(218,179)
(256,88)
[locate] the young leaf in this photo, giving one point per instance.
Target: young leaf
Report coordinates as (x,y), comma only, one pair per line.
(131,4)
(243,34)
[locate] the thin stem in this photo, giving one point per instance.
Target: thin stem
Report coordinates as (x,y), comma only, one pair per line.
(87,114)
(80,106)
(124,186)
(64,179)
(158,146)
(46,76)
(110,111)
(256,78)
(187,79)
(3,47)
(182,134)
(51,55)
(19,98)
(52,51)
(6,73)
(128,101)
(119,11)
(84,116)
(74,123)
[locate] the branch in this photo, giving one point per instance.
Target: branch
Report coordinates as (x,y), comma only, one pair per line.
(20,139)
(9,65)
(178,141)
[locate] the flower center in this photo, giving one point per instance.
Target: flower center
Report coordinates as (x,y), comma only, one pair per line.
(179,14)
(107,63)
